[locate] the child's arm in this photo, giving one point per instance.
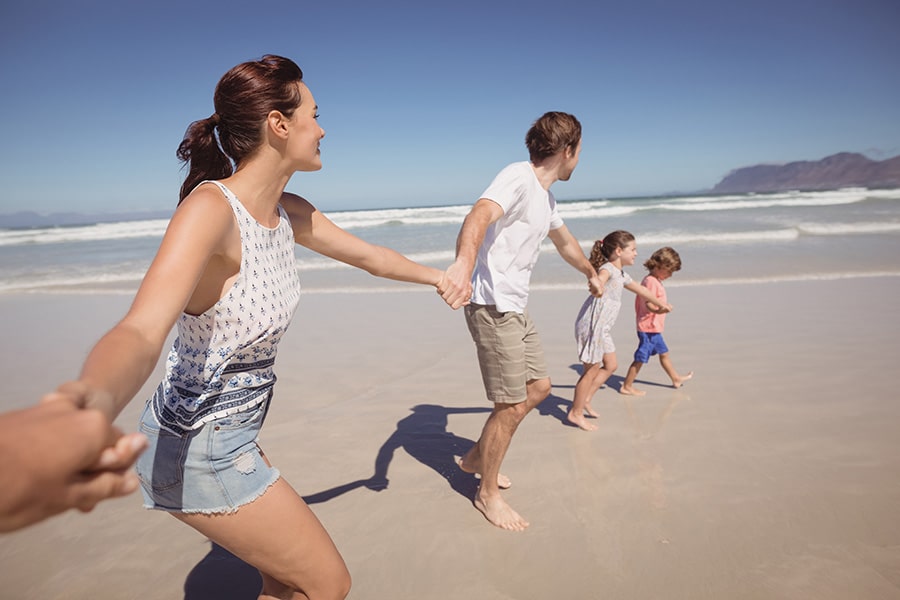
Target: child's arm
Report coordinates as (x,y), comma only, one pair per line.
(649,297)
(654,307)
(603,276)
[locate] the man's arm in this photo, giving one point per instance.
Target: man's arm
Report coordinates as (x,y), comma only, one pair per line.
(471,235)
(569,248)
(56,456)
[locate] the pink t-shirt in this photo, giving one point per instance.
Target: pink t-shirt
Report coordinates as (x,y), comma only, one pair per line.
(647,321)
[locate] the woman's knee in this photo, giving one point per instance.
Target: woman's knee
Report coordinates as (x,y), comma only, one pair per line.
(342,586)
(336,586)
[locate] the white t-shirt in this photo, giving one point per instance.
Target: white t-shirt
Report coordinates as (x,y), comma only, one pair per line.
(512,244)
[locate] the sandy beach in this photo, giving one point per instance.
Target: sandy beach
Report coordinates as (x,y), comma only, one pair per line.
(770,475)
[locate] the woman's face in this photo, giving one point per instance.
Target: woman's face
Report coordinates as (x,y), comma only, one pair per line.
(306,133)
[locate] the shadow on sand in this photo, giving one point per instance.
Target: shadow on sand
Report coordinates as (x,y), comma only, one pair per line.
(423,435)
(221,575)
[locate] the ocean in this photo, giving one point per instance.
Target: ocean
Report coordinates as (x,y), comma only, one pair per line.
(723,240)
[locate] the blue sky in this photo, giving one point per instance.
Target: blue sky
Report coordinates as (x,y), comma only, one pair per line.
(423,102)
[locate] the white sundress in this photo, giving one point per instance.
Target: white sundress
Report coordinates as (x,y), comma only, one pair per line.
(597,316)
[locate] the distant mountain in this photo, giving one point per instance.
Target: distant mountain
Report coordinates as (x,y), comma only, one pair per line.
(845,169)
(27,219)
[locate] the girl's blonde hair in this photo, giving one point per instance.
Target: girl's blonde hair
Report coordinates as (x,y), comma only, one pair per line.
(604,248)
(665,258)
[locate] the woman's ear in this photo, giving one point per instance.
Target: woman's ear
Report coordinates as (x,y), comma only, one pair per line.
(277,123)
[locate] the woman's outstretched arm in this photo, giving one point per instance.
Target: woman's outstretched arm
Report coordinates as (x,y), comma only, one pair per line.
(315,231)
(120,363)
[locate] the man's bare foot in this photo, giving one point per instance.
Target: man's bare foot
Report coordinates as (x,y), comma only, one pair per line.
(578,421)
(499,513)
(503,482)
(678,382)
(630,391)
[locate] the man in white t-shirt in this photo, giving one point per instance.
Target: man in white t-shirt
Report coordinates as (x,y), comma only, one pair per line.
(497,248)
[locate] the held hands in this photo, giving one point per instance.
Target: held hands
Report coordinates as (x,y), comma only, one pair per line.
(659,309)
(595,286)
(123,450)
(455,286)
(59,455)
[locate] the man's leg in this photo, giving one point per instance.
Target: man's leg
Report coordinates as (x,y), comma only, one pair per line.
(491,449)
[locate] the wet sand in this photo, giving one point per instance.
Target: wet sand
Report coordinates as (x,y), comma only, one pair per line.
(772,474)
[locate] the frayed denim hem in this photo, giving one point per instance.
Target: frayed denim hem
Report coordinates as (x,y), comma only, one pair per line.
(225,510)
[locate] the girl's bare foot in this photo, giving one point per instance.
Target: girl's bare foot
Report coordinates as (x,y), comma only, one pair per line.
(503,482)
(579,421)
(630,391)
(591,412)
(678,382)
(499,513)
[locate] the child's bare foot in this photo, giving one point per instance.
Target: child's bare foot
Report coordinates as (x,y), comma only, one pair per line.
(678,382)
(579,421)
(503,482)
(630,391)
(499,513)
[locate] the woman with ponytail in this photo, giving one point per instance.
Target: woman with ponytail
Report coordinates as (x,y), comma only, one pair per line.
(225,276)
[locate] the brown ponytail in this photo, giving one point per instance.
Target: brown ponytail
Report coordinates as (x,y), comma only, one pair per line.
(214,147)
(604,248)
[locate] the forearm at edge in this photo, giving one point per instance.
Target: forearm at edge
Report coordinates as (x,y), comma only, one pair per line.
(117,367)
(397,267)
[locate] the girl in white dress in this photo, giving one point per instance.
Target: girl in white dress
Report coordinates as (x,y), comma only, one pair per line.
(593,325)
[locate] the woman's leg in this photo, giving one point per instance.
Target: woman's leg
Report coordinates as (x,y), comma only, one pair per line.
(278,534)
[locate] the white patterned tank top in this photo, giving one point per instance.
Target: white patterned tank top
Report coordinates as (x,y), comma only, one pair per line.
(222,361)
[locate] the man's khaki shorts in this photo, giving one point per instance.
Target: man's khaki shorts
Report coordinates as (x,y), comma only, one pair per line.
(509,351)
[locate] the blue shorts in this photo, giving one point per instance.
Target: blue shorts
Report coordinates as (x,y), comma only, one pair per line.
(214,469)
(648,345)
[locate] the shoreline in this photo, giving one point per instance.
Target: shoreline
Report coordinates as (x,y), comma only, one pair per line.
(570,283)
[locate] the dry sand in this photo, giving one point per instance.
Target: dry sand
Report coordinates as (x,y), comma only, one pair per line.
(773,474)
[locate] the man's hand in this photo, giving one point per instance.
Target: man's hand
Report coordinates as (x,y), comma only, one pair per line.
(455,286)
(595,286)
(57,455)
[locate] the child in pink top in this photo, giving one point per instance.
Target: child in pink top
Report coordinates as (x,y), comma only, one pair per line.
(651,320)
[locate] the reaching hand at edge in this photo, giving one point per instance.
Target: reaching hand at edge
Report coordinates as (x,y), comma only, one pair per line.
(58,455)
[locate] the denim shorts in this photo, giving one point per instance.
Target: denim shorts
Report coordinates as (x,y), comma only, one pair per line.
(648,345)
(215,469)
